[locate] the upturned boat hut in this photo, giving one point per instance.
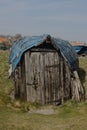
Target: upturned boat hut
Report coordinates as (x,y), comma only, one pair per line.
(44,70)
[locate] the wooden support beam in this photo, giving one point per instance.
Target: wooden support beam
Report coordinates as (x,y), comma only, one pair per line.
(78,88)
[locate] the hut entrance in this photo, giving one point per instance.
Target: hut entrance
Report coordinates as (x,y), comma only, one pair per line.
(42,76)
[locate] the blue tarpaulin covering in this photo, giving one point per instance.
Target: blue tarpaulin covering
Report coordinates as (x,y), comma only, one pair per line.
(27,43)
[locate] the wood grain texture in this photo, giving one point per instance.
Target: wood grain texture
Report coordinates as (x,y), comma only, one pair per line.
(44,77)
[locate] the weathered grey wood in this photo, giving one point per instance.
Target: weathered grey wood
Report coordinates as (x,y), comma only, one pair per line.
(78,88)
(46,83)
(41,77)
(35,77)
(32,78)
(67,81)
(16,89)
(28,91)
(42,50)
(56,73)
(23,78)
(44,76)
(62,82)
(51,76)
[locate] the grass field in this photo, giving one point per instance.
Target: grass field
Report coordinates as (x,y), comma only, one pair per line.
(69,116)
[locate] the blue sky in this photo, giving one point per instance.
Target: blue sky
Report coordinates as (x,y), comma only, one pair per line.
(60,18)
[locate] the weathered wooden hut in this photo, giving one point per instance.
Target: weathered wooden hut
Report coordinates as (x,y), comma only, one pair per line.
(45,70)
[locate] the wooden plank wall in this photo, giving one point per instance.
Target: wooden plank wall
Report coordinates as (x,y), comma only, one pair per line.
(34,77)
(44,76)
(47,77)
(19,80)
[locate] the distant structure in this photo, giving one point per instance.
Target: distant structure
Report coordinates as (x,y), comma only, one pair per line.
(44,70)
(6,42)
(80,47)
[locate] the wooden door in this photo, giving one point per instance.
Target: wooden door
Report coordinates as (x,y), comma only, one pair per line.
(42,76)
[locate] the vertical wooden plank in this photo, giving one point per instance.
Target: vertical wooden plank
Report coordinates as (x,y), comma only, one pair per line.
(28,93)
(78,88)
(16,84)
(51,77)
(39,77)
(23,85)
(49,83)
(67,82)
(46,83)
(62,81)
(34,77)
(40,81)
(43,75)
(56,76)
(19,81)
(32,74)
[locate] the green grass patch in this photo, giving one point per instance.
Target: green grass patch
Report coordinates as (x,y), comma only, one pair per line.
(6,84)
